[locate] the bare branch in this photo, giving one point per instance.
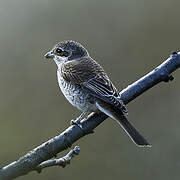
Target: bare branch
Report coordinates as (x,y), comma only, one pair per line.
(59,162)
(61,142)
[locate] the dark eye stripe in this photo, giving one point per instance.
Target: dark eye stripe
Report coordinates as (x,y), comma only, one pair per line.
(62,53)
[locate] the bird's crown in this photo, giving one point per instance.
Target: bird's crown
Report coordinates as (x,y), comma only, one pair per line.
(74,49)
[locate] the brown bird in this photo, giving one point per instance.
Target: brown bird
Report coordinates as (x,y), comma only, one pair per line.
(86,86)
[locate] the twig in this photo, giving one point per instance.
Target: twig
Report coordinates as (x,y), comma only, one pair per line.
(61,142)
(59,162)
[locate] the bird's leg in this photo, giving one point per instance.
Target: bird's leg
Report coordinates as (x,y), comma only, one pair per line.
(78,120)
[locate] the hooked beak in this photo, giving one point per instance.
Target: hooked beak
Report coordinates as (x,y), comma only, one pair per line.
(49,55)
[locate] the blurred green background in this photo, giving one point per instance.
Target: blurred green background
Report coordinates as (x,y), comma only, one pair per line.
(129,38)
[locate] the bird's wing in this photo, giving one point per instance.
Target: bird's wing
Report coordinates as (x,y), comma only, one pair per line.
(91,75)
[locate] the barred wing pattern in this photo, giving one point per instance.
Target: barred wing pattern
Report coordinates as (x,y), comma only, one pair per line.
(101,87)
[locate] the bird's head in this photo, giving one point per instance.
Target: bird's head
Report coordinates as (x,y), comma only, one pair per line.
(66,51)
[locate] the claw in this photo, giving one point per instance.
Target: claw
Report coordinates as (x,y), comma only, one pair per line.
(76,122)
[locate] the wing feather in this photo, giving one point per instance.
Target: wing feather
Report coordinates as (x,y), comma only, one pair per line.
(102,88)
(89,74)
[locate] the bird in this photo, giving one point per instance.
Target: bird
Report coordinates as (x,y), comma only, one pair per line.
(86,85)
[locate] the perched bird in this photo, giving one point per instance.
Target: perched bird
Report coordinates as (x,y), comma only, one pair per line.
(86,86)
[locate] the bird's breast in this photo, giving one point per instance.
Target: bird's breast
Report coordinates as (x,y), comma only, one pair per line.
(76,94)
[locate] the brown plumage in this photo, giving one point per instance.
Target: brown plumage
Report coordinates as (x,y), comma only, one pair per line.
(88,73)
(86,85)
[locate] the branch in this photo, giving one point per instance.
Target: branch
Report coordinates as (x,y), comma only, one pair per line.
(49,149)
(59,162)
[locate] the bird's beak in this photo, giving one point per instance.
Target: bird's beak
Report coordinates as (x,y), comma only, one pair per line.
(49,55)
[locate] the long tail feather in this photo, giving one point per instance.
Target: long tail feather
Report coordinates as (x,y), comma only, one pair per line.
(118,115)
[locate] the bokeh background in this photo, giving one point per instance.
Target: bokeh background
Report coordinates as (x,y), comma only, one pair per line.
(129,38)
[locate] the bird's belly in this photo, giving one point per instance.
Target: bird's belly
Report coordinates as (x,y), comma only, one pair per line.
(77,96)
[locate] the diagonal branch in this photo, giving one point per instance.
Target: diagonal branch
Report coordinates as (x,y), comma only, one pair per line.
(61,142)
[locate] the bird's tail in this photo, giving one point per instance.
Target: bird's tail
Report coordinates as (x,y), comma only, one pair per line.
(118,115)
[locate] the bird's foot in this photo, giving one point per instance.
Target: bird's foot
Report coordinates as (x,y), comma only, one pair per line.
(76,122)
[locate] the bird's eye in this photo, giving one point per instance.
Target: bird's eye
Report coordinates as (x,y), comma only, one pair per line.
(60,52)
